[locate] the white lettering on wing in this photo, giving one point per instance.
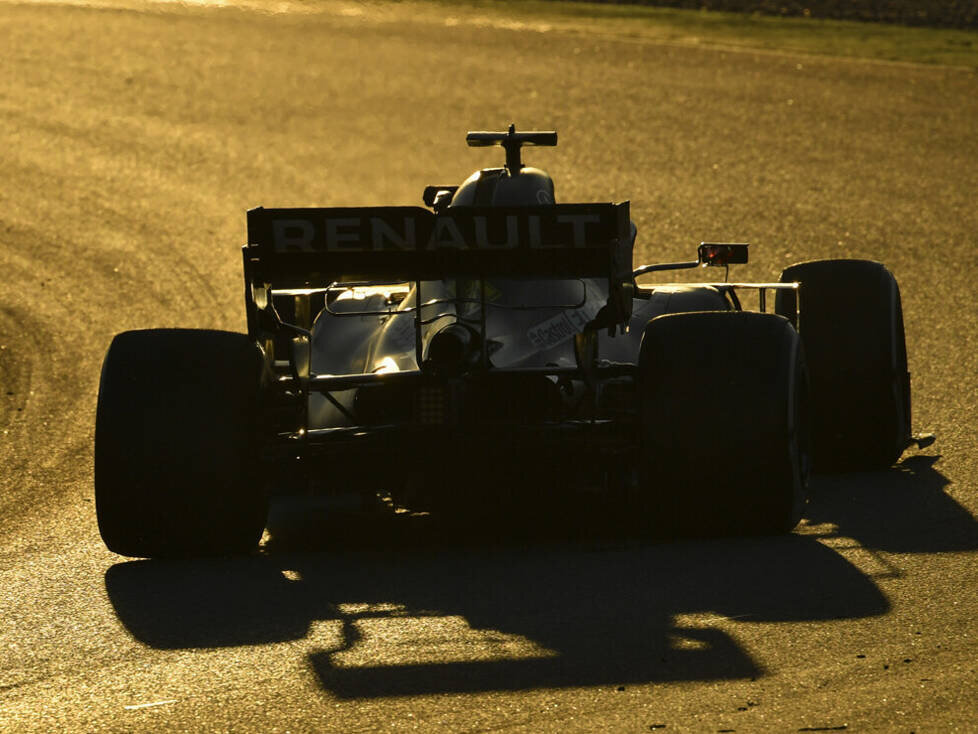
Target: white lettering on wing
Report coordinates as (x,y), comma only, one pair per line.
(343,234)
(383,234)
(579,222)
(292,234)
(446,234)
(482,233)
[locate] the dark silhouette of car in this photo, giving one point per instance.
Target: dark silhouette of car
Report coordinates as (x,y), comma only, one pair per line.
(497,345)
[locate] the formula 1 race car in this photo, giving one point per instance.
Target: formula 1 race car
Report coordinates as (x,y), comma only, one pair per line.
(496,346)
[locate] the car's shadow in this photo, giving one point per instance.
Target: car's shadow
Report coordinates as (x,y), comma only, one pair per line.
(904,510)
(601,611)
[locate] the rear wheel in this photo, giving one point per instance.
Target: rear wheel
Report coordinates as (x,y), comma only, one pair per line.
(852,327)
(724,424)
(176,471)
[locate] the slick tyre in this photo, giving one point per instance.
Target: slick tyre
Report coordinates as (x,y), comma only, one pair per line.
(723,400)
(852,327)
(175,461)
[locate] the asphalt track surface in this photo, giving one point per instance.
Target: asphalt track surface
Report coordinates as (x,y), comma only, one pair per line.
(133,137)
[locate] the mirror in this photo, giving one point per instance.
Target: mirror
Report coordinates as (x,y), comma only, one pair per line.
(722,254)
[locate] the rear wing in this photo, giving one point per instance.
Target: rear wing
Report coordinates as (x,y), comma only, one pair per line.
(303,248)
(292,253)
